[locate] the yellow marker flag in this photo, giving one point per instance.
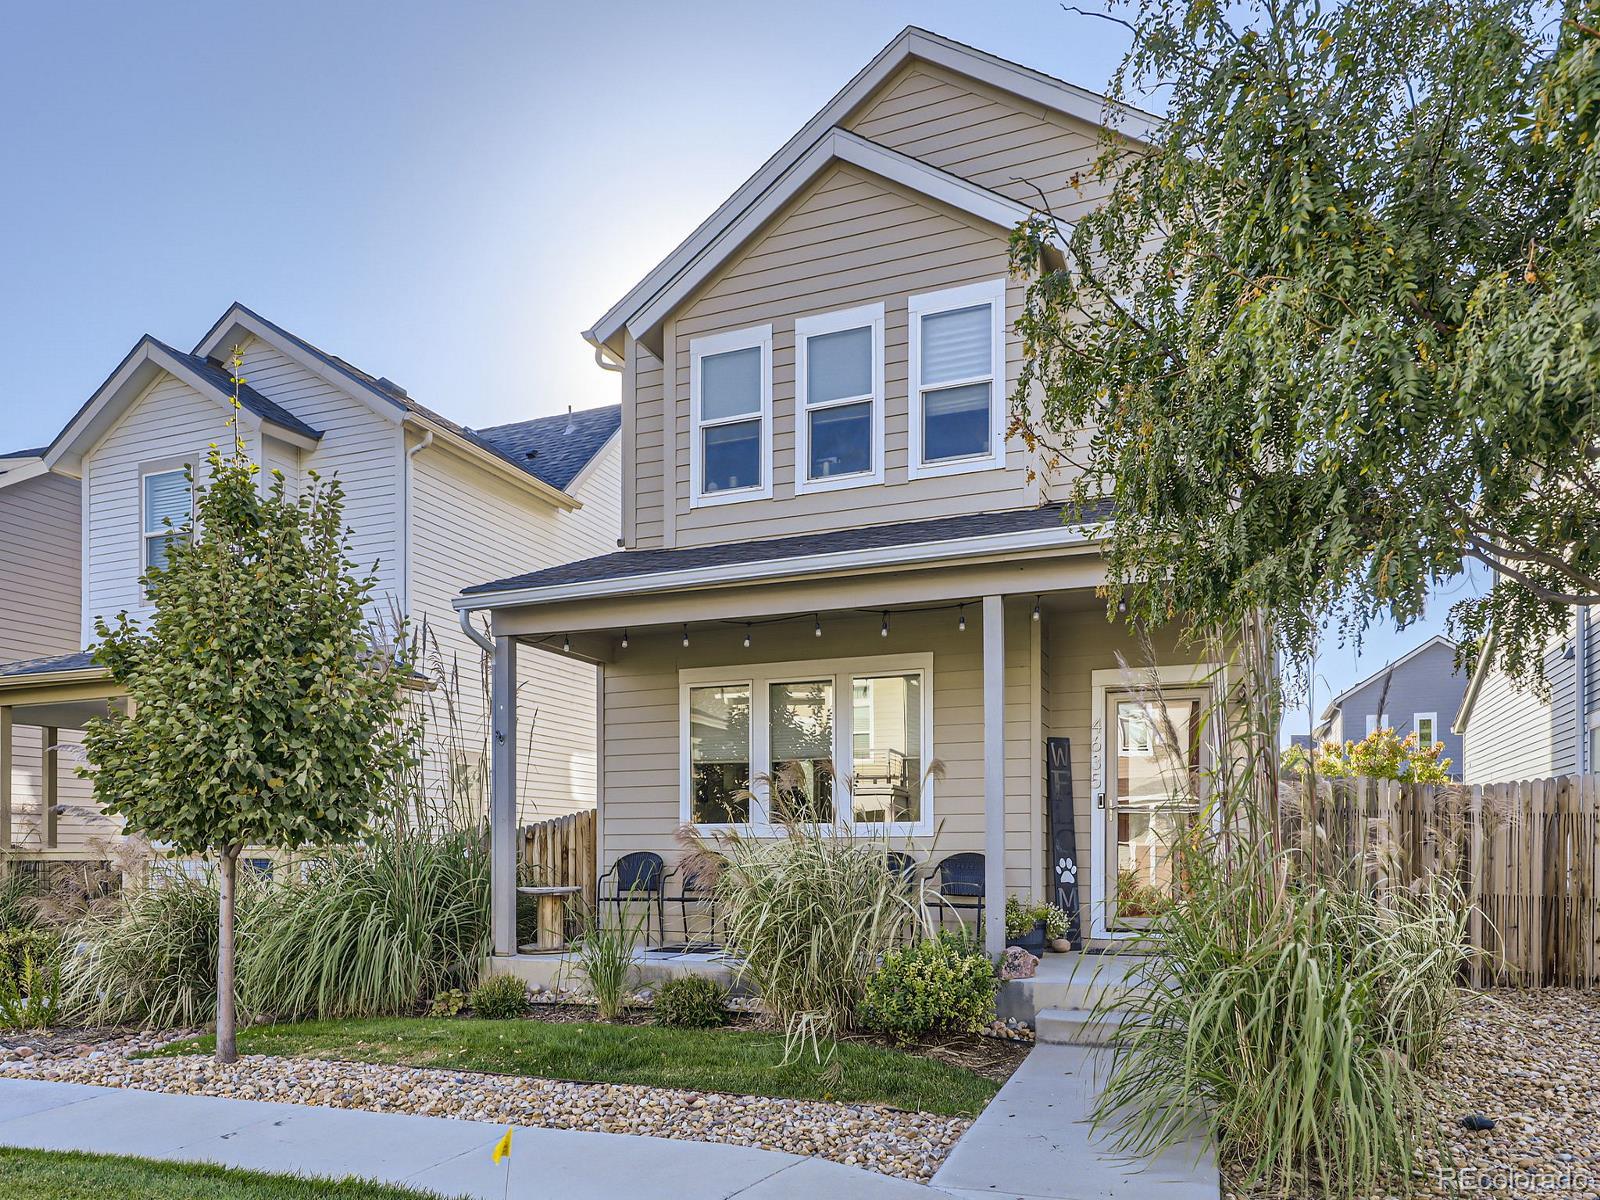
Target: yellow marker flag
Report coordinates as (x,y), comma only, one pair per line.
(502,1148)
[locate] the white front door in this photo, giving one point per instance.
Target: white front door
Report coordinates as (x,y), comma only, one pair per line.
(1156,759)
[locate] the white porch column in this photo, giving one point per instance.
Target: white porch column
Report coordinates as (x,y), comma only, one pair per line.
(994,775)
(5,776)
(503,800)
(49,785)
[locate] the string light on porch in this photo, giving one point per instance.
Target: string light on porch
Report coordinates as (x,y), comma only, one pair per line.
(624,639)
(686,637)
(961,621)
(883,630)
(566,644)
(747,635)
(817,630)
(1036,608)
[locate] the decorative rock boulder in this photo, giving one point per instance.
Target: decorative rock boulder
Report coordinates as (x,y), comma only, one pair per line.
(1018,964)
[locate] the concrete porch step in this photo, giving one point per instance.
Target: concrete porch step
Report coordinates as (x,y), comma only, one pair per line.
(1076,1026)
(1068,981)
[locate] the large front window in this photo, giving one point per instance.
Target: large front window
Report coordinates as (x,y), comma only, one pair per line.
(730,384)
(719,754)
(956,379)
(863,763)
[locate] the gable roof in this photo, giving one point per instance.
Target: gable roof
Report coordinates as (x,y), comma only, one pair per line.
(910,43)
(835,146)
(1333,705)
(133,374)
(19,465)
(558,448)
(384,394)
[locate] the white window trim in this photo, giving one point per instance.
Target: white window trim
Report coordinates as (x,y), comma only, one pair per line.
(759,678)
(1416,726)
(168,466)
(993,293)
(1377,721)
(805,328)
(760,337)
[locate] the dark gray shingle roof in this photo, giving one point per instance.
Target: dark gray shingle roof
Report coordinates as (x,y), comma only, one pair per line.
(557,448)
(36,452)
(631,564)
(221,378)
(388,390)
(80,660)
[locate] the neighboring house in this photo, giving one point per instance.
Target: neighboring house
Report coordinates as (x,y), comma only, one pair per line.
(1513,733)
(835,551)
(431,506)
(1419,692)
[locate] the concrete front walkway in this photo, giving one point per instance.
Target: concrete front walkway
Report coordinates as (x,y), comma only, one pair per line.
(1034,1142)
(432,1153)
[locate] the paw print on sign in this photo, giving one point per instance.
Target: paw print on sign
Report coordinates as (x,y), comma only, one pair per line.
(1066,870)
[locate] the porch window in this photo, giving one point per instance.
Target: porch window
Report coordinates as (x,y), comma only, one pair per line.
(957,410)
(801,738)
(719,753)
(886,765)
(730,387)
(839,399)
(790,719)
(167,510)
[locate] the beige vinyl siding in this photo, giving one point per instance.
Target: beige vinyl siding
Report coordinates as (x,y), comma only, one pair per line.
(1514,735)
(168,424)
(40,600)
(994,139)
(648,451)
(850,239)
(467,524)
(359,446)
(642,780)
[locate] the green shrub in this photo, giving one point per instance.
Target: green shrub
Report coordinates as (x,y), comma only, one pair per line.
(30,996)
(150,956)
(499,998)
(691,1002)
(449,1003)
(21,944)
(943,984)
(1021,917)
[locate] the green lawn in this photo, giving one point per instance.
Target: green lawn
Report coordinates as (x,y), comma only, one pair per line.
(706,1060)
(52,1175)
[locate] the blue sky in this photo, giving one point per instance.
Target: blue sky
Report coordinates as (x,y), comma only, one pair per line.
(443,194)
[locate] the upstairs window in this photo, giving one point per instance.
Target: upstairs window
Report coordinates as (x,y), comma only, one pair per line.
(167,505)
(730,395)
(839,399)
(1427,727)
(957,380)
(1377,721)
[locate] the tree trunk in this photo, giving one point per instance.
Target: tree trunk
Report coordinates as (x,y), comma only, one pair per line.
(227,1020)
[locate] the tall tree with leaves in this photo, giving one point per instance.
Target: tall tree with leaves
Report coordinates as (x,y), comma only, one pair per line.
(1334,333)
(264,710)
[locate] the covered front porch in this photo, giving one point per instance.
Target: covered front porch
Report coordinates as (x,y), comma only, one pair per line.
(967,708)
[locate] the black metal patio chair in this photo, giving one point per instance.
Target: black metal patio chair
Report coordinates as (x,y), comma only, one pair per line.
(640,876)
(697,891)
(961,885)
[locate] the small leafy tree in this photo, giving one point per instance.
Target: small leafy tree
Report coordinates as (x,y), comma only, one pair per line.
(1382,754)
(263,710)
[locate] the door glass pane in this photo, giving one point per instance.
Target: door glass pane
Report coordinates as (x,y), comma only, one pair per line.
(841,440)
(839,365)
(955,422)
(886,748)
(730,384)
(1158,764)
(732,456)
(719,753)
(802,749)
(956,344)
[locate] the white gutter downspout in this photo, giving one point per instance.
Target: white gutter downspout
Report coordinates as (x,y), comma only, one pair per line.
(601,354)
(1581,689)
(464,615)
(405,525)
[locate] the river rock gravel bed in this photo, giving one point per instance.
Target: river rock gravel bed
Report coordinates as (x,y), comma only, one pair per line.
(890,1141)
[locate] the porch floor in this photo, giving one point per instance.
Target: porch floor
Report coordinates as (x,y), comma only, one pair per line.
(652,963)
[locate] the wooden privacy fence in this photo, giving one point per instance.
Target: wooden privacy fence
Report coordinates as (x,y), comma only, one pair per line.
(560,852)
(1527,856)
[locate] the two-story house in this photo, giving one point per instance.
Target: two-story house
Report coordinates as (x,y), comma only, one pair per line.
(1418,693)
(1511,733)
(431,506)
(840,565)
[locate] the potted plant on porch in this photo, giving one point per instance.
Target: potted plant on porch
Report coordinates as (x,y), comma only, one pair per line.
(1025,925)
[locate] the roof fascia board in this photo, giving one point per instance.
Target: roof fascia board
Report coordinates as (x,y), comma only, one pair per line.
(452,442)
(837,145)
(238,317)
(27,468)
(107,406)
(1338,700)
(910,43)
(924,553)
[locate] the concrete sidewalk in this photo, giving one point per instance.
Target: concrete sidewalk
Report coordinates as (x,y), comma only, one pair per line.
(1034,1142)
(432,1153)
